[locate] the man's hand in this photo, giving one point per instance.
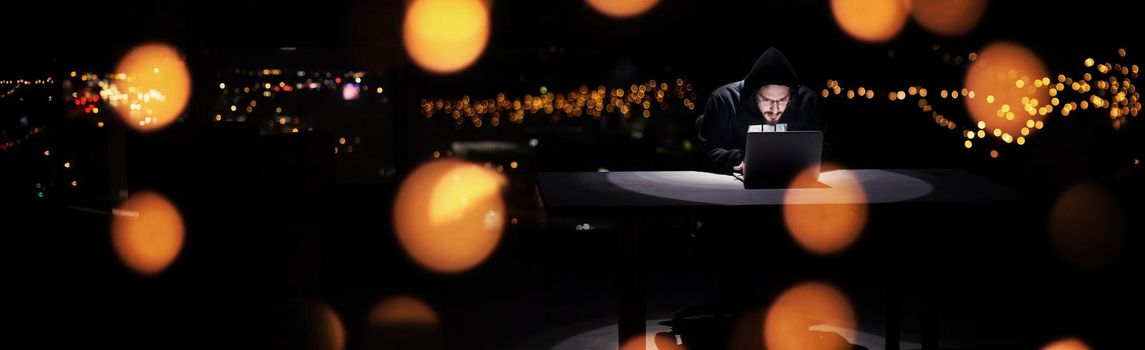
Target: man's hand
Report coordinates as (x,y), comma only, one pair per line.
(738,168)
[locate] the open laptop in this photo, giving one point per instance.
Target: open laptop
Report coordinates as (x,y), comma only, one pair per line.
(773,159)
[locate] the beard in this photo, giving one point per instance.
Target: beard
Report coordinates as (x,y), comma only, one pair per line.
(771,117)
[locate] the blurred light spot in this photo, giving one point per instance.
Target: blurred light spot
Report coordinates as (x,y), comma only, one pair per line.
(403,310)
(660,341)
(147,232)
(350,92)
(791,317)
(445,36)
(322,328)
(948,17)
(994,74)
(1067,344)
(449,214)
(152,100)
(1087,226)
(403,322)
(871,21)
(829,227)
(622,8)
(993,153)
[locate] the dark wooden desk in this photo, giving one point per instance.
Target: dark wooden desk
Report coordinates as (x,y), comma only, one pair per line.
(656,193)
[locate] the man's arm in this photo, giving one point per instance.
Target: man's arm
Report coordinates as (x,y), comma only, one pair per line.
(716,139)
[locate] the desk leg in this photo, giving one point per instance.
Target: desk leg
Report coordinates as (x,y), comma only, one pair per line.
(631,275)
(930,317)
(930,284)
(893,304)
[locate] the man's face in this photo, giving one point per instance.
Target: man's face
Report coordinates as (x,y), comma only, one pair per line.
(772,101)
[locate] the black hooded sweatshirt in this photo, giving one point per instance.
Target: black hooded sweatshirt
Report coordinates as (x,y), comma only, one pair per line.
(732,108)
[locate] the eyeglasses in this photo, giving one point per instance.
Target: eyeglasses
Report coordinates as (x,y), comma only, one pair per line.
(780,102)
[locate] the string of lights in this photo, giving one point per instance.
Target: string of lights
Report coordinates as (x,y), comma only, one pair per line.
(1109,87)
(637,98)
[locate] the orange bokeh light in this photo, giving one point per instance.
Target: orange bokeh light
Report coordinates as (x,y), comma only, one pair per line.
(449,214)
(1067,344)
(652,341)
(324,330)
(622,8)
(445,36)
(156,87)
(403,311)
(871,21)
(995,75)
(829,227)
(404,322)
(147,233)
(789,320)
(948,17)
(1087,226)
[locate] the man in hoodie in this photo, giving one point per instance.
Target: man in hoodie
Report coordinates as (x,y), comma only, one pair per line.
(749,260)
(770,94)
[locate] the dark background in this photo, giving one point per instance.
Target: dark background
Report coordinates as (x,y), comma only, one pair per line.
(275,218)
